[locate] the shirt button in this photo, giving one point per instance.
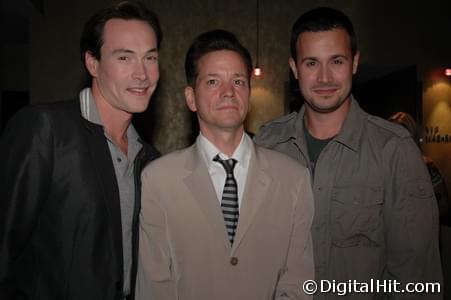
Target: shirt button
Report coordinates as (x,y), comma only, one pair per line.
(119,159)
(234,261)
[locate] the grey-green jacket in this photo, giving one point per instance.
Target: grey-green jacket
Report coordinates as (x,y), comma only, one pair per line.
(375,212)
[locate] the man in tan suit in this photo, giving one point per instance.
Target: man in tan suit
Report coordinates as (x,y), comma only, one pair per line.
(224,218)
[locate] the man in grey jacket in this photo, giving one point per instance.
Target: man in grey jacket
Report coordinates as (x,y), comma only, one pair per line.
(375,212)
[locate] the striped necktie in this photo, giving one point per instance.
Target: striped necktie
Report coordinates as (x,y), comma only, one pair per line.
(229,201)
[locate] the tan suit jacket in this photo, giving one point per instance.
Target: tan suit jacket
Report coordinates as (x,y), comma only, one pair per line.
(184,250)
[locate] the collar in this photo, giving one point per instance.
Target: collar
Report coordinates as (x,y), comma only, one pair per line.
(90,113)
(88,107)
(242,153)
(350,133)
(353,126)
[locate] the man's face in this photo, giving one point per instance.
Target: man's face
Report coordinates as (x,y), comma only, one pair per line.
(126,74)
(324,68)
(221,93)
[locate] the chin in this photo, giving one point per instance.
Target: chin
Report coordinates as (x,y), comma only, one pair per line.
(327,108)
(232,124)
(139,108)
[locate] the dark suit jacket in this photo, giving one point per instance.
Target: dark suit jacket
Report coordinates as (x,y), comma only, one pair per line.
(60,220)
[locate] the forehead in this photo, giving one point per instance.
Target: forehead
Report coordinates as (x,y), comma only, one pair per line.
(222,60)
(330,42)
(120,33)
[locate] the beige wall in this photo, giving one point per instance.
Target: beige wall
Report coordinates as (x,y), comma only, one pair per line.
(437,114)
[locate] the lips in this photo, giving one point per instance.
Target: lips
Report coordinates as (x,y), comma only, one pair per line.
(228,107)
(325,90)
(138,91)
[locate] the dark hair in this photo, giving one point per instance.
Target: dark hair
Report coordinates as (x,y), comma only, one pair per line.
(210,41)
(92,36)
(322,19)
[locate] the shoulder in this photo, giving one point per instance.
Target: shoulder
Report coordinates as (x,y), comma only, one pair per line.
(277,129)
(37,118)
(279,162)
(45,108)
(387,128)
(288,173)
(168,162)
(60,112)
(389,137)
(279,123)
(63,106)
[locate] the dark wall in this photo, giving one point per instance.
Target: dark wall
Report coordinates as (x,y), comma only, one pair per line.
(396,91)
(390,33)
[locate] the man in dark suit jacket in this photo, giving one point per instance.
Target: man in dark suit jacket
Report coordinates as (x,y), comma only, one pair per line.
(70,177)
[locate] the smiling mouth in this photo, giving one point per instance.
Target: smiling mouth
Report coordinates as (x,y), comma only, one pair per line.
(138,91)
(325,91)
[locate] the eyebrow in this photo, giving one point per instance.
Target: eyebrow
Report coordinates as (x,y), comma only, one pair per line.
(333,57)
(217,75)
(124,50)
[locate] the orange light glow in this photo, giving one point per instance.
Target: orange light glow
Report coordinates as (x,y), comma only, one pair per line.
(257,72)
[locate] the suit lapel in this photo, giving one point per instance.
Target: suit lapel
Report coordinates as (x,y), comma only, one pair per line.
(256,190)
(201,187)
(105,174)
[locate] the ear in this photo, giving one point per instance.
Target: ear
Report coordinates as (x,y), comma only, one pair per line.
(91,63)
(355,62)
(190,98)
(293,67)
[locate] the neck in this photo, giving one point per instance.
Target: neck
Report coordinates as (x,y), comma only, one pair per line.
(225,141)
(114,120)
(326,125)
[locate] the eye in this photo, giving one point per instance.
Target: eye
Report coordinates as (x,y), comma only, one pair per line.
(153,58)
(239,82)
(123,58)
(337,61)
(212,82)
(310,63)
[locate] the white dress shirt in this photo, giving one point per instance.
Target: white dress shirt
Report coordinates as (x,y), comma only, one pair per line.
(217,172)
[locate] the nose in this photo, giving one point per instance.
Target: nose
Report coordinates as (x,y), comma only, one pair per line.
(324,74)
(228,89)
(140,71)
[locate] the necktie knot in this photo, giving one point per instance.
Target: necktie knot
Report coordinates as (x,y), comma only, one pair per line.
(228,164)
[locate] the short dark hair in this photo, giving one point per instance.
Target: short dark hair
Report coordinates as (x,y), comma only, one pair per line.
(322,19)
(92,36)
(210,41)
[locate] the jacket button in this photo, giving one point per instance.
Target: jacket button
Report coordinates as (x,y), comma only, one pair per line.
(234,261)
(118,285)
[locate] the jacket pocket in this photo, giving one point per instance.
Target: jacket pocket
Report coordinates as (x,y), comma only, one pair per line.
(356,216)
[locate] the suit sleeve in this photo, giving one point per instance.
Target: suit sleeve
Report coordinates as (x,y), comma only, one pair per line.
(155,279)
(25,177)
(299,265)
(411,221)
